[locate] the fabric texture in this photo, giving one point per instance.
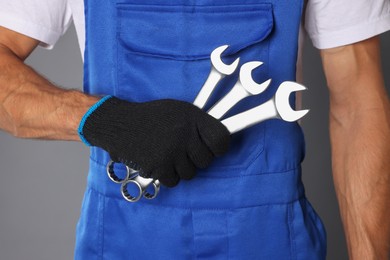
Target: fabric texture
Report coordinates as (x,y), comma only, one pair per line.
(163,139)
(330,23)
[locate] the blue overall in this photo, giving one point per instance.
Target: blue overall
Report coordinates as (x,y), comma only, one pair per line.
(250,203)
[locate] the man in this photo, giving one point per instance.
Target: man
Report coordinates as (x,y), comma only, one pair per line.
(264,214)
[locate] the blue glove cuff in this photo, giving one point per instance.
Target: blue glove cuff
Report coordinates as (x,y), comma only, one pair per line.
(85,117)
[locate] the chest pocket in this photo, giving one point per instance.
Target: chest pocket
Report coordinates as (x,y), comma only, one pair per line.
(164,51)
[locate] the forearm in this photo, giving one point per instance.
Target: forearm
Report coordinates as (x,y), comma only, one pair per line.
(360,155)
(360,138)
(32,107)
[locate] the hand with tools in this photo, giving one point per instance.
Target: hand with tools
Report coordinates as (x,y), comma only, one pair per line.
(164,139)
(276,107)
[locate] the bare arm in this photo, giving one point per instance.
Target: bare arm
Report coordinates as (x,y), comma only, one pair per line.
(30,105)
(360,139)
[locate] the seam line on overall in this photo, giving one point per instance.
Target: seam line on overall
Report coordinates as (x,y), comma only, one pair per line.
(118,25)
(225,177)
(290,217)
(196,208)
(103,224)
(227,235)
(100,226)
(193,236)
(205,9)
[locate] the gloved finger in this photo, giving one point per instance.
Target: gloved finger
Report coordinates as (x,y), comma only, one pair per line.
(214,134)
(185,168)
(167,176)
(198,152)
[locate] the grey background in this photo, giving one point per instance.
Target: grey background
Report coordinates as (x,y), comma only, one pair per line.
(42,182)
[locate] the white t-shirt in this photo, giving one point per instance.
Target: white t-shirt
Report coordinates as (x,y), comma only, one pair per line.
(329,23)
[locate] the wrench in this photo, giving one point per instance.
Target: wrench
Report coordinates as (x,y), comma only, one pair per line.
(244,87)
(132,177)
(277,107)
(218,71)
(142,184)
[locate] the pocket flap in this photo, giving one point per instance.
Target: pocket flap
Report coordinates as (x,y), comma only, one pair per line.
(192,32)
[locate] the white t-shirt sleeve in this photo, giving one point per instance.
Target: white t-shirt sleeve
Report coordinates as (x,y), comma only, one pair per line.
(44,20)
(332,23)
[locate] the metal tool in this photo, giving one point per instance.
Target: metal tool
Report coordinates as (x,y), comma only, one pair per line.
(244,87)
(142,184)
(218,71)
(132,177)
(277,107)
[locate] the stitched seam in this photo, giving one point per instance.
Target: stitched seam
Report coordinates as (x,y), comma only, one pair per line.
(289,229)
(290,217)
(201,11)
(204,9)
(103,221)
(247,176)
(193,236)
(117,68)
(224,177)
(100,232)
(196,208)
(227,235)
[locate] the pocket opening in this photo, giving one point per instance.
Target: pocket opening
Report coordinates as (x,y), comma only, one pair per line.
(152,30)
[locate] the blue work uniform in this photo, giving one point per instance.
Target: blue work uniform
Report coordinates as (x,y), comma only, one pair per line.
(250,203)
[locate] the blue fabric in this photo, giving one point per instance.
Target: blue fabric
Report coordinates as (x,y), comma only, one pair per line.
(249,204)
(89,112)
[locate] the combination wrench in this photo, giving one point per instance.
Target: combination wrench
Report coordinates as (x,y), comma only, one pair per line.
(218,71)
(277,107)
(244,87)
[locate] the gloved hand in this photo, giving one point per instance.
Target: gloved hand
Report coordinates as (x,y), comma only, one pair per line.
(166,139)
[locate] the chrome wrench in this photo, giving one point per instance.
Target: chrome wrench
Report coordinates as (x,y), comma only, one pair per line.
(218,71)
(132,176)
(244,87)
(277,107)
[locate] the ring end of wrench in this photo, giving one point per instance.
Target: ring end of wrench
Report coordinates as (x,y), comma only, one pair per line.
(115,178)
(125,192)
(156,187)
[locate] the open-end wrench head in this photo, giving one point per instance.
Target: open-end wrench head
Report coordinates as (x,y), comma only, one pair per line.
(219,65)
(282,101)
(247,81)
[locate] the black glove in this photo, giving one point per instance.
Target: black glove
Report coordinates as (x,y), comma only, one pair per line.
(164,139)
